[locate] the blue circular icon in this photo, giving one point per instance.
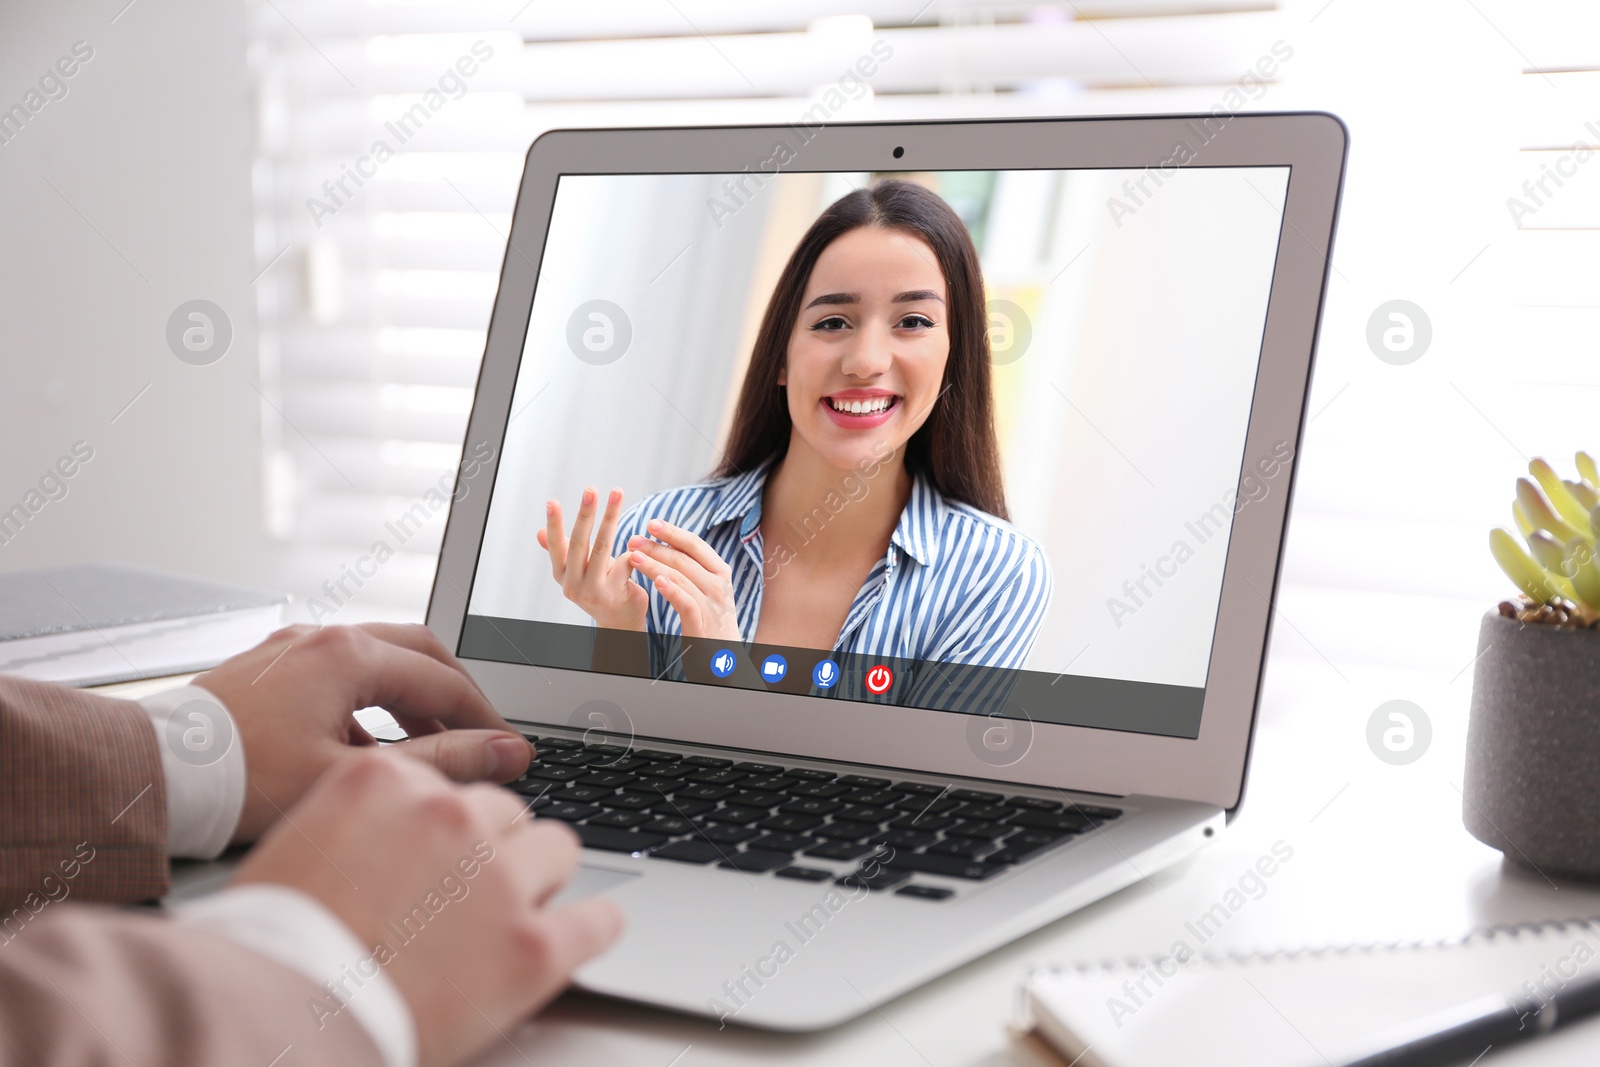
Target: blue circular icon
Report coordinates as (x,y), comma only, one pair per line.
(722,663)
(825,675)
(773,668)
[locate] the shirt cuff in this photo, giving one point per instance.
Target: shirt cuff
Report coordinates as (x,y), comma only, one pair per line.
(294,929)
(202,760)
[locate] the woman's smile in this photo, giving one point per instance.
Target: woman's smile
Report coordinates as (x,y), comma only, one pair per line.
(861,409)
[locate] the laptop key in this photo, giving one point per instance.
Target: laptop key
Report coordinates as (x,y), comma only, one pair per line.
(567,811)
(904,839)
(610,839)
(555,774)
(924,822)
(560,743)
(841,850)
(584,794)
(687,809)
(756,798)
(782,842)
(811,806)
(875,797)
(670,770)
(804,874)
(1036,803)
(863,780)
(847,831)
(991,831)
(965,847)
(984,812)
(657,755)
(575,758)
(630,802)
(717,777)
(623,820)
(925,892)
(661,787)
(756,861)
(949,866)
(700,791)
(625,764)
(935,805)
(977,794)
(769,783)
(737,816)
(688,852)
(818,789)
(708,761)
(722,834)
(1069,821)
(671,825)
(1020,853)
(882,878)
(758,768)
(865,813)
(608,779)
(809,775)
(921,789)
(1094,812)
(789,823)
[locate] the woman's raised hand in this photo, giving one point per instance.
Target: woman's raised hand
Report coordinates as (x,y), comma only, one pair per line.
(691,576)
(590,576)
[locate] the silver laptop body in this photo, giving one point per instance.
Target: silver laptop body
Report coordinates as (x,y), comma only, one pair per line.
(1205,243)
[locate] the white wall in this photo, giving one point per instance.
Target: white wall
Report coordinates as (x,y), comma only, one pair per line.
(151,146)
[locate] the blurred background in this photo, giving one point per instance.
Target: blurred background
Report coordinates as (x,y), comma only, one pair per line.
(203,150)
(1089,313)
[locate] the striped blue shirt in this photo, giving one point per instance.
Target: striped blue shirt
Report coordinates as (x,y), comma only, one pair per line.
(956,586)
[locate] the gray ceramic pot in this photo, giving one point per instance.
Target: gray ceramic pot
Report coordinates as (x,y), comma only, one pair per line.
(1533,746)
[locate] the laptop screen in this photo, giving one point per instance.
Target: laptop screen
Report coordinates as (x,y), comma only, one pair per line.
(967,441)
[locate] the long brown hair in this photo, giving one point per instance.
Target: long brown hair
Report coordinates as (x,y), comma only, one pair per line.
(956,446)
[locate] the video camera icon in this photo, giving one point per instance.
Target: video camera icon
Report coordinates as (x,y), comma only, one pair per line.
(773,668)
(722,663)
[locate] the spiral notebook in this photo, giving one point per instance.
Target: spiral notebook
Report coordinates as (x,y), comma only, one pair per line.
(1291,1009)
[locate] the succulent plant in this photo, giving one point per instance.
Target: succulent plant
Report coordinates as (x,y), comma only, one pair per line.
(1558,572)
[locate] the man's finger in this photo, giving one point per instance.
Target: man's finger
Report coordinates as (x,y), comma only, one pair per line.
(566,938)
(470,755)
(416,689)
(418,639)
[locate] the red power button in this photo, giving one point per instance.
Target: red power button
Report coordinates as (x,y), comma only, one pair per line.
(879,679)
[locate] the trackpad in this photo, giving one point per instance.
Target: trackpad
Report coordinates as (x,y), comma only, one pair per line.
(591,880)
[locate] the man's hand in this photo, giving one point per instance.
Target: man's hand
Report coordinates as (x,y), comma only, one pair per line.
(293,697)
(377,835)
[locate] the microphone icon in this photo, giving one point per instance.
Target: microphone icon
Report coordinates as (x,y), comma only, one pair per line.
(825,675)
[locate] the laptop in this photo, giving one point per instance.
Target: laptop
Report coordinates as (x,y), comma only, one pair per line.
(876,526)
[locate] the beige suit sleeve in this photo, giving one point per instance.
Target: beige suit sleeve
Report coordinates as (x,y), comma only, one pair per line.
(83,803)
(88,985)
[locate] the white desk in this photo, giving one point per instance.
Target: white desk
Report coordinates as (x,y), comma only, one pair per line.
(1379,855)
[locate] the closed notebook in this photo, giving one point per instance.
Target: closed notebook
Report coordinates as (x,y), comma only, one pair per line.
(96,623)
(1293,1009)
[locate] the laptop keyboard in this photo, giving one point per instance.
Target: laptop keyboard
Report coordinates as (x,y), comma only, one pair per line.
(763,818)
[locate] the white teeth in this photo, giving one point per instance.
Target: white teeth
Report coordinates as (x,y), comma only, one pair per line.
(870,406)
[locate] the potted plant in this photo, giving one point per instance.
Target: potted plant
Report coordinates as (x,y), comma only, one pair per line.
(1532,786)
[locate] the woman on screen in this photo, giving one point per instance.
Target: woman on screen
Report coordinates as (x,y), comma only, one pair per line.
(858,507)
